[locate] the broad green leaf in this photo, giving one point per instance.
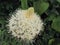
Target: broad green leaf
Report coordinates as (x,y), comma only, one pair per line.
(41,7)
(56,24)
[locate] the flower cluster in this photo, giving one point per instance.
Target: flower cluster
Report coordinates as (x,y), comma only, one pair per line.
(25,24)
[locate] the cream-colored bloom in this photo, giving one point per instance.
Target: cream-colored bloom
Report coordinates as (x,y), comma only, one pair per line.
(25,24)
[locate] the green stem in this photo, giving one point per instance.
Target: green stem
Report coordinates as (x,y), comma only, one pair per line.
(24,4)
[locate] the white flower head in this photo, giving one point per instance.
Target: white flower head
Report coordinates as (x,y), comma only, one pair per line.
(25,24)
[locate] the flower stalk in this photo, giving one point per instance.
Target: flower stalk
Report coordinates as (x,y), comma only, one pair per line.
(24,4)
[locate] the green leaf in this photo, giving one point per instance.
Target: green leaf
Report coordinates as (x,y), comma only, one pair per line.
(24,4)
(41,7)
(51,41)
(54,41)
(56,24)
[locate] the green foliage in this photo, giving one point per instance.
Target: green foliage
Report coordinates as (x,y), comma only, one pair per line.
(41,7)
(51,41)
(56,24)
(24,4)
(58,44)
(54,42)
(52,16)
(58,1)
(49,10)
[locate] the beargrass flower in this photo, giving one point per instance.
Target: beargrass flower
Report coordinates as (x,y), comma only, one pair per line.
(25,24)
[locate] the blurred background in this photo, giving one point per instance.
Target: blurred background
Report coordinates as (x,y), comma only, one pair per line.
(49,11)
